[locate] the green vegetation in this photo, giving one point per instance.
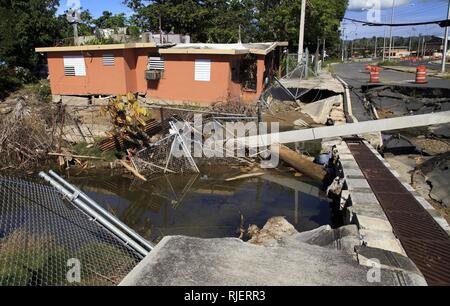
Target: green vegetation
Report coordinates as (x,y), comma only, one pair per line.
(389,63)
(8,82)
(37,260)
(90,150)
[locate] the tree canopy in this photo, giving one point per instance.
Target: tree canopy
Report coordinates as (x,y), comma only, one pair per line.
(259,20)
(25,25)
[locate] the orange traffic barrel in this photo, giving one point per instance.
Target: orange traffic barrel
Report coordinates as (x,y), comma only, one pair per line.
(421,75)
(374,74)
(368,67)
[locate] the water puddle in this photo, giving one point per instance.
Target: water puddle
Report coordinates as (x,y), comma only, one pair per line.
(206,205)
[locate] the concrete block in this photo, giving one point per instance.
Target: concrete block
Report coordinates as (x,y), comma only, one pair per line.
(354,184)
(346,157)
(56,98)
(382,240)
(374,224)
(75,101)
(343,149)
(185,261)
(353,173)
(99,102)
(349,164)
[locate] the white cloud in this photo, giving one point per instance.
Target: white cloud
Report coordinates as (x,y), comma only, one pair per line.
(358,5)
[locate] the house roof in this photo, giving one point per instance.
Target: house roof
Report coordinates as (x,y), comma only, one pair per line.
(233,49)
(97,47)
(198,48)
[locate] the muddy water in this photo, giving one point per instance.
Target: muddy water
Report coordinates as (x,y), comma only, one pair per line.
(205,205)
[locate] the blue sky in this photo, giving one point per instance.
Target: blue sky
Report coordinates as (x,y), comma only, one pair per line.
(405,11)
(96,7)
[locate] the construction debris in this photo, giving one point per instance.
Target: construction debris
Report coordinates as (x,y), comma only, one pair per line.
(25,138)
(132,170)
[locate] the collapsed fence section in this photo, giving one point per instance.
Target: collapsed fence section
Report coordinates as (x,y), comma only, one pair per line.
(46,241)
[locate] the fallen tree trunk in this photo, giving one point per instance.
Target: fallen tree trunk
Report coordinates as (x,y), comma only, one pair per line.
(244,176)
(132,170)
(300,163)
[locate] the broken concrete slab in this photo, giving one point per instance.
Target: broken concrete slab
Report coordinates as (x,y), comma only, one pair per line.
(275,230)
(320,111)
(343,239)
(441,130)
(184,261)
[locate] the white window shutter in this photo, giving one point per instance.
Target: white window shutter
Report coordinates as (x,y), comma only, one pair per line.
(155,63)
(74,65)
(108,59)
(203,70)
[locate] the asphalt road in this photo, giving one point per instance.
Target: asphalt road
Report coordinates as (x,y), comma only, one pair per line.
(356,76)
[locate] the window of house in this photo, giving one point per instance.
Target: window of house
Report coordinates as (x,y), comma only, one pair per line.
(235,70)
(155,62)
(203,70)
(108,59)
(74,65)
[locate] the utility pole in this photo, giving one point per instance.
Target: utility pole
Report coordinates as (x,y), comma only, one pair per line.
(75,33)
(301,38)
(324,51)
(376,45)
(343,44)
(419,45)
(423,46)
(444,52)
(351,49)
(384,43)
(390,34)
(240,37)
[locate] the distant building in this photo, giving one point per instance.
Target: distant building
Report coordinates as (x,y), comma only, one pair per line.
(435,46)
(175,73)
(397,53)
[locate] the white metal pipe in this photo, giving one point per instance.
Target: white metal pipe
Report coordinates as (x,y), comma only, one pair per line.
(103,212)
(97,217)
(301,35)
(346,129)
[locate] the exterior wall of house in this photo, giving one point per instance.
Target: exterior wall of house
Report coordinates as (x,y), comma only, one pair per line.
(99,79)
(179,84)
(128,75)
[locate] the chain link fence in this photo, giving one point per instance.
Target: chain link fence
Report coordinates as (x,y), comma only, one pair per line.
(46,241)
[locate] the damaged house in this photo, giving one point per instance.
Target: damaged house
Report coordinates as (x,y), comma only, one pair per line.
(173,73)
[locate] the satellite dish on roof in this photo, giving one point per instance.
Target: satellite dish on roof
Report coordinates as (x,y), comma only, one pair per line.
(73,16)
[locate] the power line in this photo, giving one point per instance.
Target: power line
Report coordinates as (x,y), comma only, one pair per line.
(441,23)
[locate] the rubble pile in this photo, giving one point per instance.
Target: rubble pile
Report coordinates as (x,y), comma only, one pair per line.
(26,137)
